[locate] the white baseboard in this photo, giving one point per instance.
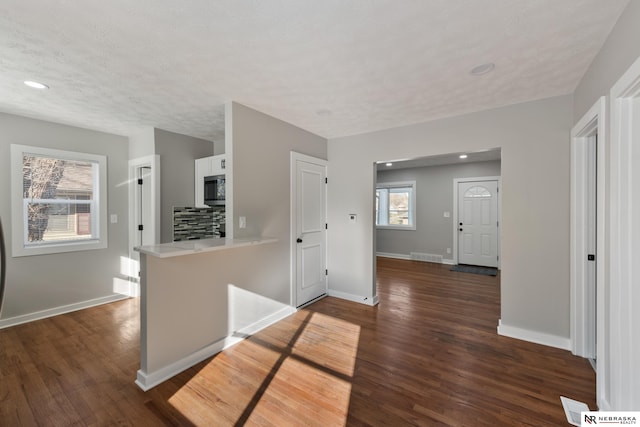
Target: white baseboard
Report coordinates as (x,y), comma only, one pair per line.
(266,321)
(390,255)
(534,336)
(38,315)
(604,405)
(408,257)
(372,301)
(147,381)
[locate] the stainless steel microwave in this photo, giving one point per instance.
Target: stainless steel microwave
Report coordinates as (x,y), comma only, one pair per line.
(214,190)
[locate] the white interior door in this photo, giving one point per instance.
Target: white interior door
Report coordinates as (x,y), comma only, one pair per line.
(144,206)
(590,206)
(478,223)
(145,209)
(310,272)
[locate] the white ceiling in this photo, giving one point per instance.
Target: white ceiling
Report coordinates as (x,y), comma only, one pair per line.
(119,65)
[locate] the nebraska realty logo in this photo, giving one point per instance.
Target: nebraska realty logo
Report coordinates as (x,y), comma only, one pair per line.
(610,418)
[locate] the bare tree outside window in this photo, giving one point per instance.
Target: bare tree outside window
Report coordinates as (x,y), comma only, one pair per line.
(40,180)
(58,201)
(58,197)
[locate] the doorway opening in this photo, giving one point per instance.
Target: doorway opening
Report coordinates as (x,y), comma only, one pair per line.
(587,250)
(425,233)
(144,208)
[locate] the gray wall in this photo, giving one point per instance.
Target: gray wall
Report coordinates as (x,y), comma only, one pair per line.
(261,185)
(534,138)
(36,283)
(620,50)
(434,196)
(177,174)
(142,143)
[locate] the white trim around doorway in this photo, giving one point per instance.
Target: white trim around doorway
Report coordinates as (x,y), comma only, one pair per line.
(582,310)
(623,275)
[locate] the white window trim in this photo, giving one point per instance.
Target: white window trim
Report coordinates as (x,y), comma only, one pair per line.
(17,204)
(411,184)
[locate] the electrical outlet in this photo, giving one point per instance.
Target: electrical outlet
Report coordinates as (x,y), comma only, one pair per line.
(448,250)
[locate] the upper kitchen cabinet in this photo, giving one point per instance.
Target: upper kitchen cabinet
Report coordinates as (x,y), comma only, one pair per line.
(218,164)
(207,166)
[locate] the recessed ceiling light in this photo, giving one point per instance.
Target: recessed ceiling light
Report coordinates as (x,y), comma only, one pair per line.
(36,85)
(389,164)
(463,156)
(482,69)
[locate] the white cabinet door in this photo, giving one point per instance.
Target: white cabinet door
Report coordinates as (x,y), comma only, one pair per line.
(202,169)
(218,164)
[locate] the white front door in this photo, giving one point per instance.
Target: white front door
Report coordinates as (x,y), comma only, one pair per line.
(310,234)
(478,223)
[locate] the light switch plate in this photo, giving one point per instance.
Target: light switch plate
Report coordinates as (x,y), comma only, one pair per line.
(114,218)
(242,222)
(447,214)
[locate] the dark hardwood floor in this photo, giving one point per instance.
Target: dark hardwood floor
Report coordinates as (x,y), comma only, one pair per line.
(428,355)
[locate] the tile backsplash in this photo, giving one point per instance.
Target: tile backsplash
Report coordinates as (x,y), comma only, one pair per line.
(197,223)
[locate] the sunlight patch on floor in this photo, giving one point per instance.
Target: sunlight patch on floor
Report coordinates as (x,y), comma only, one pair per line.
(303,395)
(329,342)
(221,391)
(265,380)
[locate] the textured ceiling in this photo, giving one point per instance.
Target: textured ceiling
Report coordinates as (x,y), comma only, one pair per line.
(333,67)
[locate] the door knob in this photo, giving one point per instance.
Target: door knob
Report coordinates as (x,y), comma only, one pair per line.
(299,240)
(460,223)
(460,228)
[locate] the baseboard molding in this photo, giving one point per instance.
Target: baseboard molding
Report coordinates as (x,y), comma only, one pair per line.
(534,337)
(395,256)
(38,315)
(266,321)
(604,405)
(408,257)
(372,301)
(146,381)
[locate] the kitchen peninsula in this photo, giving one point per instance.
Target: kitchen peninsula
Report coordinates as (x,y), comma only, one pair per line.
(198,297)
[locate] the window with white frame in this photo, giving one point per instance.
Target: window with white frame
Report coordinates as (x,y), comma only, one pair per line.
(395,205)
(58,201)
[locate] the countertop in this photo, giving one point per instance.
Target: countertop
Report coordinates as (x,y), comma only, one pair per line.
(189,247)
